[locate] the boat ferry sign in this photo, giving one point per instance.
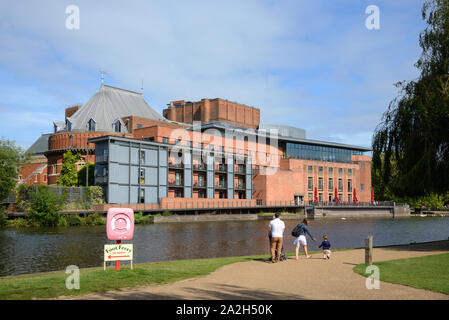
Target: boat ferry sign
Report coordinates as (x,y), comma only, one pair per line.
(118,252)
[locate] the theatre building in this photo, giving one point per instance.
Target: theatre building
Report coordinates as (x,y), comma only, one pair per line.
(212,149)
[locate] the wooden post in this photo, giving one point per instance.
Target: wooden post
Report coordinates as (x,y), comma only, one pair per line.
(369,250)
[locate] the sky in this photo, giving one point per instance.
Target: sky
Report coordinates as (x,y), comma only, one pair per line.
(309,64)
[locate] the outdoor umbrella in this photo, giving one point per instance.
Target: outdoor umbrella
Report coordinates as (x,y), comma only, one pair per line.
(372,195)
(315,197)
(336,196)
(354,197)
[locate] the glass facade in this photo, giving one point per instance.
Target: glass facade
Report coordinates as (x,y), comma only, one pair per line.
(319,153)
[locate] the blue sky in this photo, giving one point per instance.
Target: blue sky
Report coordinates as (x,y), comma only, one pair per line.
(309,64)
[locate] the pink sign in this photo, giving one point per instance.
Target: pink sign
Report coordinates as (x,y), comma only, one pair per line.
(120,224)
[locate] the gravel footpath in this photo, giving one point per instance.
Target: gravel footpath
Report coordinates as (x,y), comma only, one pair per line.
(313,278)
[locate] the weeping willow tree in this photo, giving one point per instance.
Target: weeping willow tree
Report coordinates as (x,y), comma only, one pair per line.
(411,144)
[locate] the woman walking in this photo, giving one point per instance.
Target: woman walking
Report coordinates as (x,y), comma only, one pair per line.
(301,240)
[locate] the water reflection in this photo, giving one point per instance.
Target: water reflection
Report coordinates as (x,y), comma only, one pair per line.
(39,250)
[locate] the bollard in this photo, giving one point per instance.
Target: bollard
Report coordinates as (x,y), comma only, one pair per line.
(369,250)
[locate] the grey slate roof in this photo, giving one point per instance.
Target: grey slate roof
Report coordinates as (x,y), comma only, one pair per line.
(40,145)
(109,104)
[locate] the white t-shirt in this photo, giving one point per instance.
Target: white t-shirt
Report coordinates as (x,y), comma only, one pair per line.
(277,227)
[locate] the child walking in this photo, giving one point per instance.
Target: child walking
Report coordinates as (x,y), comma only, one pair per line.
(326,248)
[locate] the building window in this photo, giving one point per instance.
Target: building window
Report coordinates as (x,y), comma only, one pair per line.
(139,126)
(178,194)
(164,140)
(105,172)
(349,184)
(362,165)
(320,183)
(142,156)
(200,180)
(340,171)
(362,187)
(68,125)
(349,197)
(320,170)
(221,195)
(117,126)
(340,197)
(142,196)
(320,197)
(142,176)
(349,172)
(310,197)
(340,185)
(178,181)
(91,125)
(201,194)
(177,141)
(330,197)
(331,184)
(331,171)
(310,183)
(309,169)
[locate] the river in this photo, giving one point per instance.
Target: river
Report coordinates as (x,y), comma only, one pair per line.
(38,250)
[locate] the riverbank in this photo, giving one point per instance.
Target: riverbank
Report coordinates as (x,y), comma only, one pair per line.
(216,278)
(304,279)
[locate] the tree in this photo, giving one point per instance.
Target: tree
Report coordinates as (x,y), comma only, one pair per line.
(414,132)
(11,157)
(82,175)
(69,175)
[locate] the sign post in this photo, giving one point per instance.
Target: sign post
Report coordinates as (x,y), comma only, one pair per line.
(119,226)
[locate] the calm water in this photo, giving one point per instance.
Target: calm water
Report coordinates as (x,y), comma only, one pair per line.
(39,250)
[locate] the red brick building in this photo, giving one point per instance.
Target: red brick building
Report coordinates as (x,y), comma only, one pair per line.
(285,167)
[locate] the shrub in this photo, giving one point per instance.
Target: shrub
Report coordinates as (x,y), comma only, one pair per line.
(73,220)
(3,217)
(166,213)
(95,219)
(139,218)
(44,208)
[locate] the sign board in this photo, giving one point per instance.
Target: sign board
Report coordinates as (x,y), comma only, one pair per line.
(120,224)
(118,252)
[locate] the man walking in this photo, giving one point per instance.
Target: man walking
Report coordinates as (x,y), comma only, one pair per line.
(276,230)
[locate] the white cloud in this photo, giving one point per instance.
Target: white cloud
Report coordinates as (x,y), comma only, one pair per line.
(311,64)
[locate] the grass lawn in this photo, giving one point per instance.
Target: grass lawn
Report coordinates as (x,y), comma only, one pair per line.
(52,284)
(429,272)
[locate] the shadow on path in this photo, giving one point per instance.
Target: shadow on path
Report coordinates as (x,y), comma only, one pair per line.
(219,292)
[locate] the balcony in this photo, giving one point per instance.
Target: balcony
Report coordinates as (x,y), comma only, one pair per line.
(221,185)
(220,168)
(101,158)
(175,184)
(101,179)
(174,165)
(239,186)
(240,170)
(199,167)
(198,184)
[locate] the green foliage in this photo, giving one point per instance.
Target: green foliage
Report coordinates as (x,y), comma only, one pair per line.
(73,220)
(82,175)
(139,218)
(95,219)
(411,145)
(69,176)
(11,157)
(3,217)
(44,208)
(167,213)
